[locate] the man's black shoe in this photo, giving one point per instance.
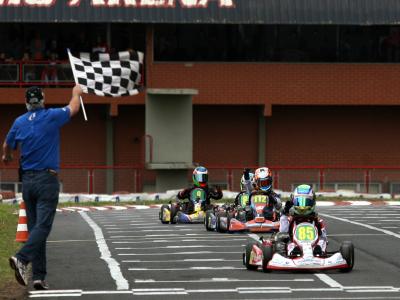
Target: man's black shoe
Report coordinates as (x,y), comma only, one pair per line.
(40,285)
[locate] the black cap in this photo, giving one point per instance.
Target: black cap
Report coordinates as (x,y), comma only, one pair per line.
(33,95)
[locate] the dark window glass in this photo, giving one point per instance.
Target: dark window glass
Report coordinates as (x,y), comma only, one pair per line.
(276,43)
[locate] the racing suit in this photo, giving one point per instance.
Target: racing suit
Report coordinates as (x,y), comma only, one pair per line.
(188,206)
(289,218)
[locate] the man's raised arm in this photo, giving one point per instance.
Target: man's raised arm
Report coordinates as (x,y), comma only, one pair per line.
(74,104)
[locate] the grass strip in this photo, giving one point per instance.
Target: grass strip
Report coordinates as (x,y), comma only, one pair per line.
(8,247)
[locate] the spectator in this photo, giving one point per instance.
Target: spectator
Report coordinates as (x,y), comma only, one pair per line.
(49,72)
(29,70)
(100,46)
(37,47)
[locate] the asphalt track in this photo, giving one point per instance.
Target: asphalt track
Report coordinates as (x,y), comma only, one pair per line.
(129,254)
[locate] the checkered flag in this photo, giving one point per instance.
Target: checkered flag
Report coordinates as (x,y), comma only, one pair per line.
(111,75)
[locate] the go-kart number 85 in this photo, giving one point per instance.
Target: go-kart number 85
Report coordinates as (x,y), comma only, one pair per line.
(305,233)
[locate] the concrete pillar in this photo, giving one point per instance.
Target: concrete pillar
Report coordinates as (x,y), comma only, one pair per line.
(109,153)
(169,136)
(261,137)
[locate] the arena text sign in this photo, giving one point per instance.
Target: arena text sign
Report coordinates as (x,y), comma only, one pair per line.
(124,3)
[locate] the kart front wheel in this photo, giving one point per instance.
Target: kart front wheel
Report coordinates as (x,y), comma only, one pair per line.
(207,220)
(174,210)
(246,257)
(347,251)
(220,228)
(268,252)
(162,214)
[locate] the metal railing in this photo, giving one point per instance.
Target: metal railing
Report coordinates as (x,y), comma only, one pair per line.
(135,178)
(36,72)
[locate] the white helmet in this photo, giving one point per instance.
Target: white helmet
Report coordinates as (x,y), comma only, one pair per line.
(263,178)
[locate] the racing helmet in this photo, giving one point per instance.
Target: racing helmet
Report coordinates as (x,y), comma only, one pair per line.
(303,199)
(200,177)
(243,181)
(263,178)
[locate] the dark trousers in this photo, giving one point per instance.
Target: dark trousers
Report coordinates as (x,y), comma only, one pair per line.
(40,191)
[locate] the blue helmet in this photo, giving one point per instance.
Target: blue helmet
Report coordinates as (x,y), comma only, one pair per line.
(200,177)
(303,199)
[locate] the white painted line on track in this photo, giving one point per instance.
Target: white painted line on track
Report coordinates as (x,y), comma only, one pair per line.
(176,241)
(328,280)
(363,225)
(223,279)
(239,290)
(378,213)
(355,234)
(160,291)
(55,291)
(182,246)
(180,260)
(375,217)
(178,253)
(187,269)
(152,230)
(113,265)
(168,235)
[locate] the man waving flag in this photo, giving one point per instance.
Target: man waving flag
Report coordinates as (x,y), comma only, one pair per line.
(112,75)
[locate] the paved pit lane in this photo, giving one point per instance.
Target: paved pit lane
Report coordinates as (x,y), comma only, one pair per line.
(129,254)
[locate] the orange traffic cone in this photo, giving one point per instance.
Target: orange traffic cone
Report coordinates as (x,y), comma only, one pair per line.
(22,228)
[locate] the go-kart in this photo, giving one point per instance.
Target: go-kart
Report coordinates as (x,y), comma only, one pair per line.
(273,254)
(259,218)
(186,212)
(210,220)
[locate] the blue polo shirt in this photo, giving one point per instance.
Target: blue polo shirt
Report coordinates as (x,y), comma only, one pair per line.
(37,133)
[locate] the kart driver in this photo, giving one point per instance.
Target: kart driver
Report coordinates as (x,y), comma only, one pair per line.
(242,203)
(301,208)
(242,199)
(200,180)
(262,184)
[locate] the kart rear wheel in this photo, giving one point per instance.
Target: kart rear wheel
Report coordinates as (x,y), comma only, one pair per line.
(174,210)
(347,251)
(162,209)
(246,257)
(268,252)
(207,220)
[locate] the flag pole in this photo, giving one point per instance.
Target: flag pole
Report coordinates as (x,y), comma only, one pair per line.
(80,97)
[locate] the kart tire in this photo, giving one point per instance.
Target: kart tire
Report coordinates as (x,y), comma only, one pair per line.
(347,251)
(207,220)
(219,228)
(163,207)
(174,210)
(246,257)
(268,252)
